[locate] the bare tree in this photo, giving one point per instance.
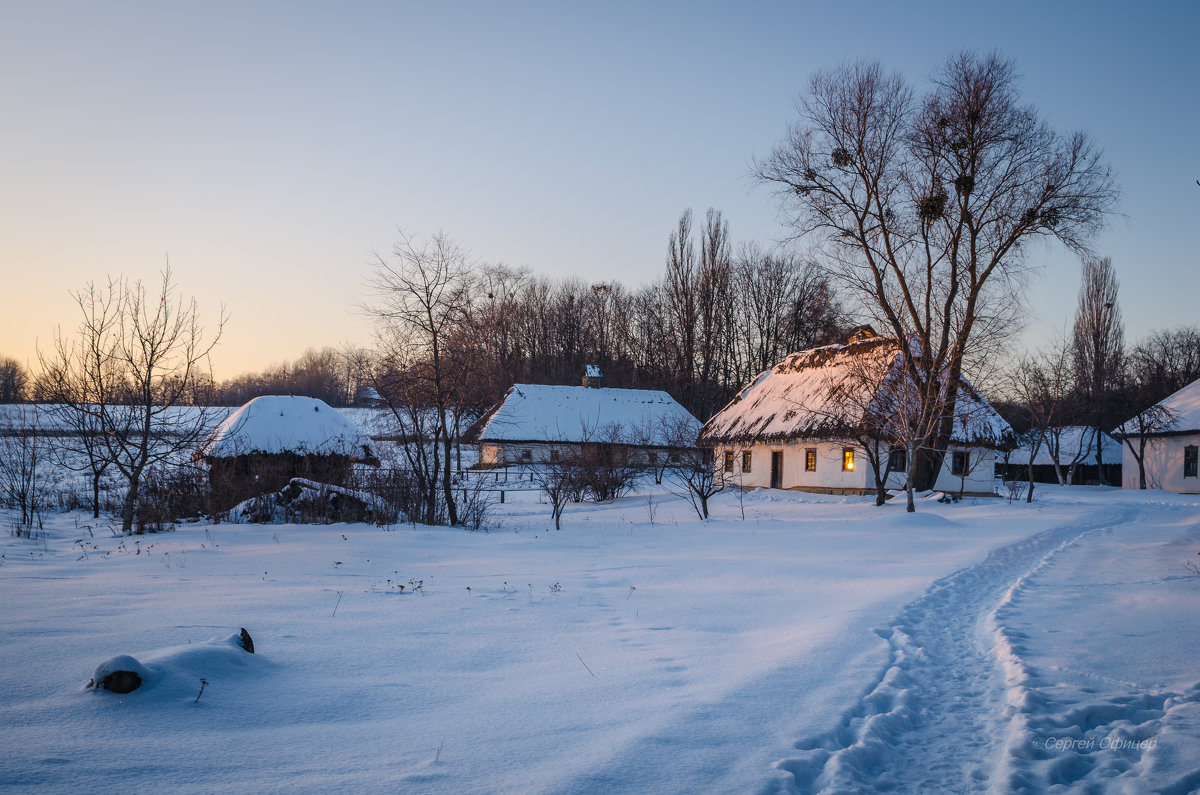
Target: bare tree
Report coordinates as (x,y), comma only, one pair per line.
(559,480)
(423,294)
(696,480)
(694,474)
(926,206)
(22,453)
(1099,346)
(79,444)
(134,360)
(1041,383)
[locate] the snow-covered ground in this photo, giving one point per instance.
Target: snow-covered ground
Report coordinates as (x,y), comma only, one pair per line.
(818,643)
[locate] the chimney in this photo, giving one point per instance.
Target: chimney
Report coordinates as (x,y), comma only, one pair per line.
(860,333)
(592,376)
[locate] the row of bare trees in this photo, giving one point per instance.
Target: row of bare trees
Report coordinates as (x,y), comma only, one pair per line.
(327,374)
(716,318)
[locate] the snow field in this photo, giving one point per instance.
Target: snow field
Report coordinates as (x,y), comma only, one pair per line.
(617,655)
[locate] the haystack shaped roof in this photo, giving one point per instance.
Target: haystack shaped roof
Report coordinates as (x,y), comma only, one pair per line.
(275,424)
(535,413)
(830,391)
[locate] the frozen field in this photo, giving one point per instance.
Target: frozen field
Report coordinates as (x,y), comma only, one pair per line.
(818,643)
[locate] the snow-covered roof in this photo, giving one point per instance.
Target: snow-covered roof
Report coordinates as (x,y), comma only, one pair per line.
(540,413)
(286,424)
(1183,408)
(828,391)
(1074,443)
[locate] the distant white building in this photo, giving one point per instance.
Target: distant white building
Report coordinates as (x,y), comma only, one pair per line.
(536,424)
(1073,449)
(1171,449)
(795,426)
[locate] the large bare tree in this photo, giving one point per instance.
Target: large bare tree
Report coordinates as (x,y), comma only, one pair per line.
(925,206)
(423,296)
(120,380)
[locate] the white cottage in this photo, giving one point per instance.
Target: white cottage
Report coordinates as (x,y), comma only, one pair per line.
(1166,437)
(797,425)
(535,424)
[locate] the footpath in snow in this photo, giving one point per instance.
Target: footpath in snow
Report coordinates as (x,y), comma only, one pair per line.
(1066,659)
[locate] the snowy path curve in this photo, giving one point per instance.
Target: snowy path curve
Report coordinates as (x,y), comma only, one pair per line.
(940,717)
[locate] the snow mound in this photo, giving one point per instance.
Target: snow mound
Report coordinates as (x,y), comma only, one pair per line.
(175,673)
(304,501)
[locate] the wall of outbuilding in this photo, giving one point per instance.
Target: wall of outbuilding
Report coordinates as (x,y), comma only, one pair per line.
(1164,465)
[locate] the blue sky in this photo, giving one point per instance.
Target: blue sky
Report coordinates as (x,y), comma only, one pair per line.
(270,148)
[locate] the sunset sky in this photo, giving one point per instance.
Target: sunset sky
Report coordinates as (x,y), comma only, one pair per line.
(270,148)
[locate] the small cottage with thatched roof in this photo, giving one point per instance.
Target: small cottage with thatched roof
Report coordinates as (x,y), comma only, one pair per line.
(539,424)
(823,419)
(275,438)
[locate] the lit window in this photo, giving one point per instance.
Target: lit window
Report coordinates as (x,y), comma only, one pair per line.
(810,459)
(746,460)
(1189,461)
(847,460)
(729,461)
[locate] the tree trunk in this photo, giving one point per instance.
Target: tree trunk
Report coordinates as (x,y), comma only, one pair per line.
(911,505)
(925,470)
(1100,458)
(96,494)
(130,505)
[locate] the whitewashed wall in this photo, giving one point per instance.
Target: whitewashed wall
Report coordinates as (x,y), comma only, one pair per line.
(829,473)
(1164,465)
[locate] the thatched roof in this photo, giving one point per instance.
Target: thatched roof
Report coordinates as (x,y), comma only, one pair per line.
(832,391)
(275,424)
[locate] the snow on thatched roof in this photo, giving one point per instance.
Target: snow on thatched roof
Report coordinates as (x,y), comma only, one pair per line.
(829,391)
(1075,443)
(537,413)
(1180,409)
(286,424)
